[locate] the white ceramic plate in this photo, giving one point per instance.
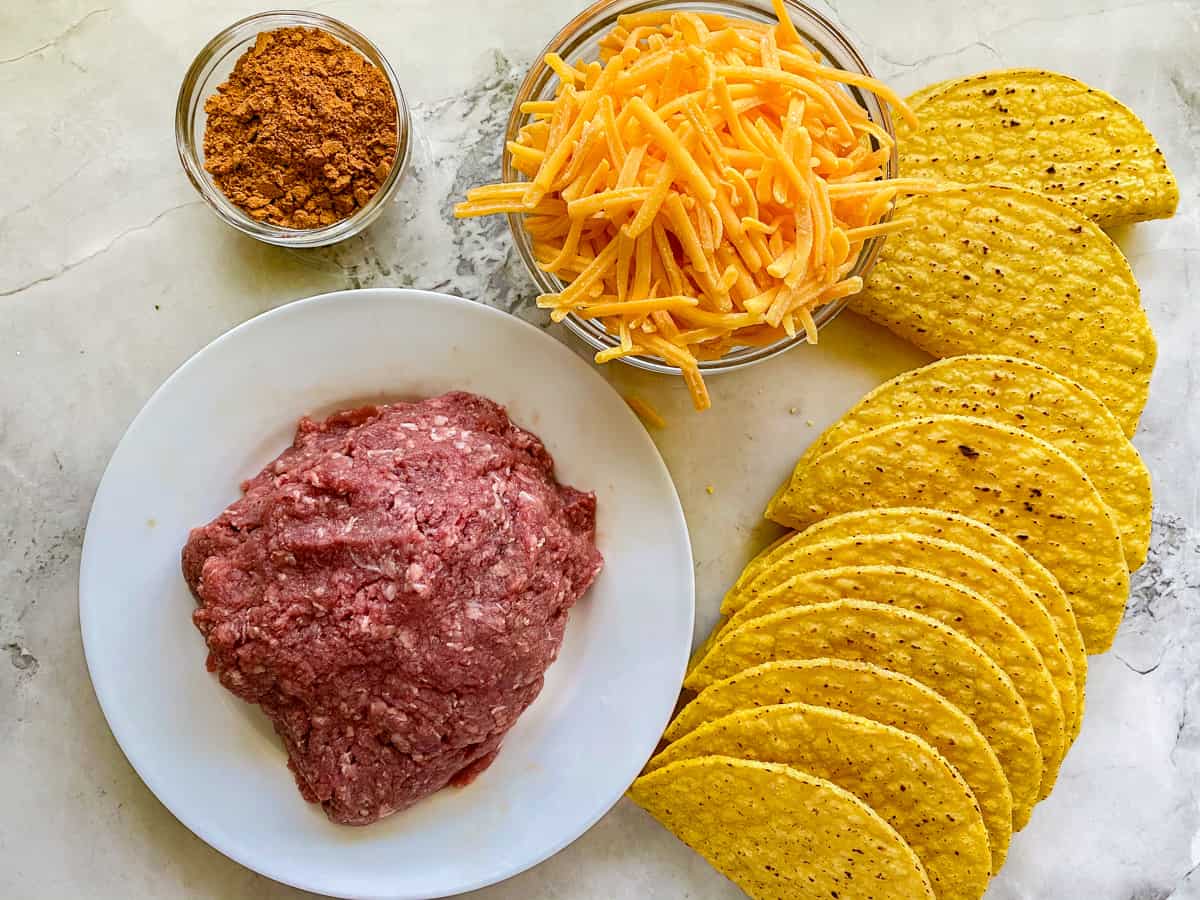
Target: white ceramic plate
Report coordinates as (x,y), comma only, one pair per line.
(214,760)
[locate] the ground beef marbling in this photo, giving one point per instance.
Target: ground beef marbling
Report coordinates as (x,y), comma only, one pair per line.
(390,591)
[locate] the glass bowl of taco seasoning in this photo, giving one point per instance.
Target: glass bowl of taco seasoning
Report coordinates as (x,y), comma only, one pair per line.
(293,128)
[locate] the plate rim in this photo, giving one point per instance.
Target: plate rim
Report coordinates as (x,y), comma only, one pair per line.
(109,705)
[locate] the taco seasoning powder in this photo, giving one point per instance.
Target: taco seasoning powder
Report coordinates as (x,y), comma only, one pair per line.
(303,132)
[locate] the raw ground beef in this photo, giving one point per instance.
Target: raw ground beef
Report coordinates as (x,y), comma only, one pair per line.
(390,591)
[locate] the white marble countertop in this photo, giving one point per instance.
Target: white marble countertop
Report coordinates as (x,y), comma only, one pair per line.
(112,273)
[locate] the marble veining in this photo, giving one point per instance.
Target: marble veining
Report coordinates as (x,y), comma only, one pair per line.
(112,273)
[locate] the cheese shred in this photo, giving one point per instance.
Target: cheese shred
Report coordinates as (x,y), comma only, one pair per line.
(706,184)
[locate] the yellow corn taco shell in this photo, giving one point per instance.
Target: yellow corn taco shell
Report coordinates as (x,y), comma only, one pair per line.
(984,541)
(917,98)
(989,269)
(865,690)
(780,834)
(909,643)
(807,552)
(895,773)
(1017,483)
(952,604)
(1045,132)
(1024,395)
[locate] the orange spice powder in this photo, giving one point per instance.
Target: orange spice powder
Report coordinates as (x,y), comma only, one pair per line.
(303,132)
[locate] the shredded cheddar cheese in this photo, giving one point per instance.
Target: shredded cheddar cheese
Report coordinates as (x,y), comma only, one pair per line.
(706,184)
(646,412)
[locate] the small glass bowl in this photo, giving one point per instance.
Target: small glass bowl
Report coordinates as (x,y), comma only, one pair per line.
(580,38)
(213,65)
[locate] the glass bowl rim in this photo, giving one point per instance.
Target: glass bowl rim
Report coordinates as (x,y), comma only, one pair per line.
(194,89)
(601,15)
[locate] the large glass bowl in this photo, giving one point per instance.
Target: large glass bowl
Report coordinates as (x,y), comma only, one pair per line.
(213,65)
(581,38)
